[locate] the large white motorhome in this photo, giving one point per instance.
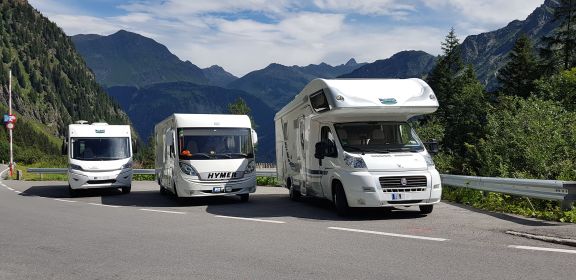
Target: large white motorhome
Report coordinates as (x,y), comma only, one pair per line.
(99,156)
(349,140)
(206,155)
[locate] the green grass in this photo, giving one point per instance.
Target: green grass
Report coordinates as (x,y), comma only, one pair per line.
(266,181)
(505,203)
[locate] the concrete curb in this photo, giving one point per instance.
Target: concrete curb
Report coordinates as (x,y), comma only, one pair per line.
(551,239)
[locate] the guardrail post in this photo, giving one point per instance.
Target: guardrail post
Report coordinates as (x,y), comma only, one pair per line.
(19,175)
(568,202)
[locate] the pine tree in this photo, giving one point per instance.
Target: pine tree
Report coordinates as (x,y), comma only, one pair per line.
(239,107)
(442,78)
(517,77)
(560,49)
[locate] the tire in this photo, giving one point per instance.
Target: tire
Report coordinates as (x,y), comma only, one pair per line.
(126,190)
(340,202)
(72,192)
(294,194)
(426,209)
(244,197)
(163,190)
(179,199)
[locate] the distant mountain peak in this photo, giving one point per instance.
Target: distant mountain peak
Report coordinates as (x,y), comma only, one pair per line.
(351,62)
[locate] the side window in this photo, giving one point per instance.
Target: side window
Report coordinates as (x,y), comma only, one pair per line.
(326,136)
(319,102)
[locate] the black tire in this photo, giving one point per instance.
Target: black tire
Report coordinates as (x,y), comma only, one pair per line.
(426,209)
(340,202)
(72,192)
(294,194)
(179,199)
(163,190)
(126,190)
(244,197)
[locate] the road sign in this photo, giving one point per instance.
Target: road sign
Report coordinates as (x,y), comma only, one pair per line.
(9,118)
(10,125)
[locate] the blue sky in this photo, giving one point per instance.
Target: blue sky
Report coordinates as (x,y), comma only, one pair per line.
(247,35)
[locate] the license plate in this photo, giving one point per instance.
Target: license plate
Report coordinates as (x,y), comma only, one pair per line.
(399,196)
(217,189)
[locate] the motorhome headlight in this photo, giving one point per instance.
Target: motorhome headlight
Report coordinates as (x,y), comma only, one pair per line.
(127,165)
(188,169)
(75,167)
(251,167)
(429,161)
(354,162)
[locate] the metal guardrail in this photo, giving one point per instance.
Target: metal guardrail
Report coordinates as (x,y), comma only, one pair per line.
(261,172)
(563,191)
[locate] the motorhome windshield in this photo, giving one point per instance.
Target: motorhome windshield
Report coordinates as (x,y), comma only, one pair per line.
(378,137)
(97,149)
(215,143)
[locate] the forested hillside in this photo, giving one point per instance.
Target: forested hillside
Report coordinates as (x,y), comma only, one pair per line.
(52,86)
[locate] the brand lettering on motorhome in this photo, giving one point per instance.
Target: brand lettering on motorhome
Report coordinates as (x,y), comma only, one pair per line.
(222,175)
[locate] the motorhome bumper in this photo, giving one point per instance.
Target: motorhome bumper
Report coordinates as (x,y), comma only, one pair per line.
(193,188)
(97,180)
(364,189)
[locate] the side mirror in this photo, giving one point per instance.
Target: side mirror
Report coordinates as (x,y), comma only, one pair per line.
(64,147)
(135,147)
(319,150)
(172,152)
(254,136)
(432,146)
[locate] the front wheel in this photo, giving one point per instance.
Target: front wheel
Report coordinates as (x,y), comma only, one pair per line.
(244,197)
(340,202)
(72,192)
(294,194)
(426,209)
(126,190)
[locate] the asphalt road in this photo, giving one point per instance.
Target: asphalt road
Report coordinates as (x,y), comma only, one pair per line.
(44,234)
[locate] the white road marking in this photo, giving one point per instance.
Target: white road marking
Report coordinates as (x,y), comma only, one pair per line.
(98,204)
(543,249)
(252,219)
(390,234)
(64,200)
(18,192)
(9,188)
(163,211)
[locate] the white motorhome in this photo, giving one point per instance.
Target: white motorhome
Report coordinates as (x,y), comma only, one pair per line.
(206,155)
(349,140)
(99,156)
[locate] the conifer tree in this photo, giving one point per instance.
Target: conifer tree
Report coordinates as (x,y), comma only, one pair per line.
(560,48)
(517,77)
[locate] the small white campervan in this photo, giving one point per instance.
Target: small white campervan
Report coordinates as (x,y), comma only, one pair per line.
(99,156)
(206,155)
(349,140)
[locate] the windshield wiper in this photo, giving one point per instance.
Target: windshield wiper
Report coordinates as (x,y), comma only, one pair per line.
(365,150)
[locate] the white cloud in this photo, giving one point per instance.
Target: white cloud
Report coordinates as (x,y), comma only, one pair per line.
(186,7)
(291,34)
(367,7)
(487,12)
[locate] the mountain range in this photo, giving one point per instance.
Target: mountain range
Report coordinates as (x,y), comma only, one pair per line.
(54,87)
(129,59)
(51,85)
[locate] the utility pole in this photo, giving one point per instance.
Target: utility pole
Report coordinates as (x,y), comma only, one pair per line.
(10,125)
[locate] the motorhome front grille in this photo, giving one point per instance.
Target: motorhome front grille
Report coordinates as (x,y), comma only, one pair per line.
(102,181)
(404,184)
(404,201)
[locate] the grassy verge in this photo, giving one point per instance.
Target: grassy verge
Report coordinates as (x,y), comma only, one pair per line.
(38,177)
(266,181)
(505,203)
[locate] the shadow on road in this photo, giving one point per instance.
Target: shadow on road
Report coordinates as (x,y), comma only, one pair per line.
(259,205)
(508,217)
